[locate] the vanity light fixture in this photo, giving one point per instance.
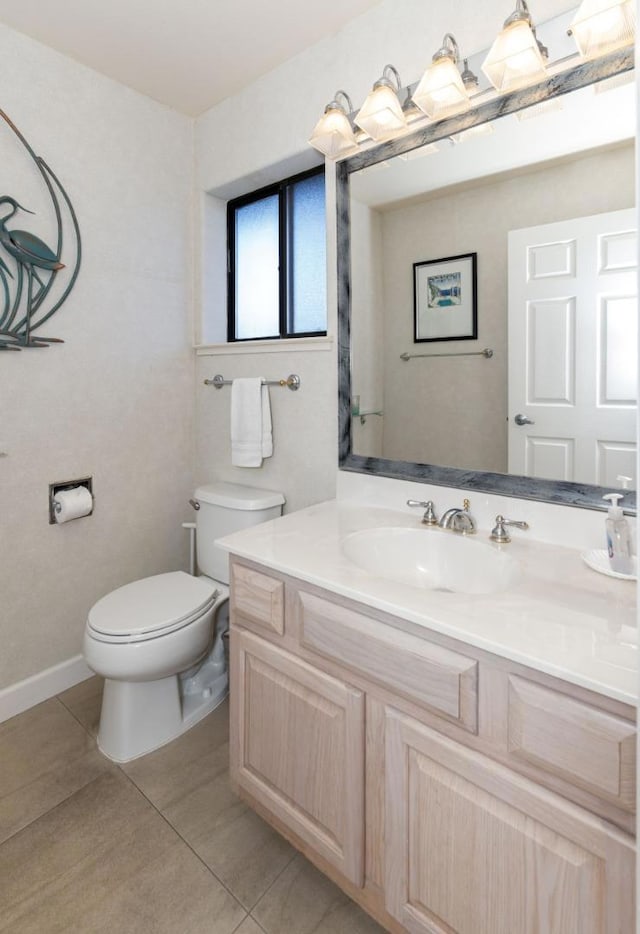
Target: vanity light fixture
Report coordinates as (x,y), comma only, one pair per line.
(601,26)
(448,87)
(443,90)
(381,116)
(333,133)
(517,57)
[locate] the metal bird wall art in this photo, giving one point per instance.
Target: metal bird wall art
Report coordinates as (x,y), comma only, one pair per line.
(29,267)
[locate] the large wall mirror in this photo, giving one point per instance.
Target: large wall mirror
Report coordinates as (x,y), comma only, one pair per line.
(538,188)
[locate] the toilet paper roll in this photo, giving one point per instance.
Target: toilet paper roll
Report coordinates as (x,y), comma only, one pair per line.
(72,504)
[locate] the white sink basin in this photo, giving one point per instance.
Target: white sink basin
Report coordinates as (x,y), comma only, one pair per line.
(432,559)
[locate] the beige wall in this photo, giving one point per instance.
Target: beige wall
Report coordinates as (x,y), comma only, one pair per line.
(453,411)
(304,425)
(115,401)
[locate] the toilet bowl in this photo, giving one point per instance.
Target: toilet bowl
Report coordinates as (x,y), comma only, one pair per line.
(140,638)
(158,643)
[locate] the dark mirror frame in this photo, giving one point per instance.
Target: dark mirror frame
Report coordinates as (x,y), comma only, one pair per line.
(551,491)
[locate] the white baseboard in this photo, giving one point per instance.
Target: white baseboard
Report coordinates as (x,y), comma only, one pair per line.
(25,694)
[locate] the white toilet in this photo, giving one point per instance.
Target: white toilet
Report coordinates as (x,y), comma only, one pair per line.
(153,640)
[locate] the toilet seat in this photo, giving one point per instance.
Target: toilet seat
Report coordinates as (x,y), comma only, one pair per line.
(153,607)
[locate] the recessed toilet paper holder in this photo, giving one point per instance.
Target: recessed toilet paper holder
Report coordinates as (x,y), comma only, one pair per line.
(55,488)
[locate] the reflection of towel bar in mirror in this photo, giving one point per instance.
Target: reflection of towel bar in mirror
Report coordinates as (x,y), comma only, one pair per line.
(363,415)
(487,353)
(291,382)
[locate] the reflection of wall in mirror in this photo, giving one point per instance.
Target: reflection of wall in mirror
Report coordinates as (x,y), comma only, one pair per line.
(453,411)
(367,328)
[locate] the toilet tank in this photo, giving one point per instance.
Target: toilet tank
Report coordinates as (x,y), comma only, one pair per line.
(227,508)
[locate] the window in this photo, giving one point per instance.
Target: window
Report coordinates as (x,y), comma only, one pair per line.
(277,261)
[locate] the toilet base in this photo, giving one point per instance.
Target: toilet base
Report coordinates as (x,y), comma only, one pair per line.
(139,717)
(204,687)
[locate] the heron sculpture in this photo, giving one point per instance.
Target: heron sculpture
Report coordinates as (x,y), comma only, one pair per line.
(23,256)
(31,254)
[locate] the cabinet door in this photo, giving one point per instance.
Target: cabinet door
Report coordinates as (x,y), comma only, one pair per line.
(298,748)
(472,848)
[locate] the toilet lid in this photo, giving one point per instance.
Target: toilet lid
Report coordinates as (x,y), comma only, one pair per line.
(152,604)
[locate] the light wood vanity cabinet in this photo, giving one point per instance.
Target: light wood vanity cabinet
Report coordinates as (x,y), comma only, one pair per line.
(471,847)
(447,790)
(299,749)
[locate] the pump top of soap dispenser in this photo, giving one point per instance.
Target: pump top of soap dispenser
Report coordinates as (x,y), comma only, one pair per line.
(615,510)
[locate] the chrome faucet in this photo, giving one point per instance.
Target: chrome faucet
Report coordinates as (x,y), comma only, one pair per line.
(429,517)
(459,520)
(499,533)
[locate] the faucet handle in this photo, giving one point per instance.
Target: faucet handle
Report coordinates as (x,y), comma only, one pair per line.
(499,533)
(429,517)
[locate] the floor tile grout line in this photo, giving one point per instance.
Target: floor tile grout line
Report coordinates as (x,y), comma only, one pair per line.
(259,926)
(45,813)
(110,765)
(177,832)
(56,697)
(75,717)
(268,889)
(51,810)
(186,842)
(256,922)
(155,807)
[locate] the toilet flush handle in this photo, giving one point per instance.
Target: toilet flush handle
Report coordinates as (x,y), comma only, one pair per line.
(195,504)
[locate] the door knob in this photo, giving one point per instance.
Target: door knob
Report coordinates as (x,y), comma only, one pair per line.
(523,420)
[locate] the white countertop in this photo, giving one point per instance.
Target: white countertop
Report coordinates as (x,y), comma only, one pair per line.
(560,617)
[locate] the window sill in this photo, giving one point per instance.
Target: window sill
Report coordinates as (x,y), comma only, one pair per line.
(276,346)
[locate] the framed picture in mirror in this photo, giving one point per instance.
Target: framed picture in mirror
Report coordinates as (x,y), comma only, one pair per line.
(445,299)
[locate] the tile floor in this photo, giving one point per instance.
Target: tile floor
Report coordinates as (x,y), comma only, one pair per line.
(158,845)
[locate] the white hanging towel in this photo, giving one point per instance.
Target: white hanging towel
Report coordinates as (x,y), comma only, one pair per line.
(251,433)
(267,428)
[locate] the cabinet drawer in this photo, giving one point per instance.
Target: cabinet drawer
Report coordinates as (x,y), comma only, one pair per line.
(258,598)
(437,678)
(573,740)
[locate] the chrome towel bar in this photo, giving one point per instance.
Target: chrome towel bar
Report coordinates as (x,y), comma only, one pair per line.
(487,353)
(291,382)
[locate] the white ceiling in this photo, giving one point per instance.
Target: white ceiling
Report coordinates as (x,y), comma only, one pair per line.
(188,54)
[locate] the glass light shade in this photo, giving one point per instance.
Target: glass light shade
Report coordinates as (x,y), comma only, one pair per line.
(381,115)
(441,91)
(601,26)
(333,134)
(514,59)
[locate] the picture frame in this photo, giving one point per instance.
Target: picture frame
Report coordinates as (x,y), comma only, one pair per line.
(445,297)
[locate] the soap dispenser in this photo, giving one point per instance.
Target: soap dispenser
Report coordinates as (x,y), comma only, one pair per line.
(618,536)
